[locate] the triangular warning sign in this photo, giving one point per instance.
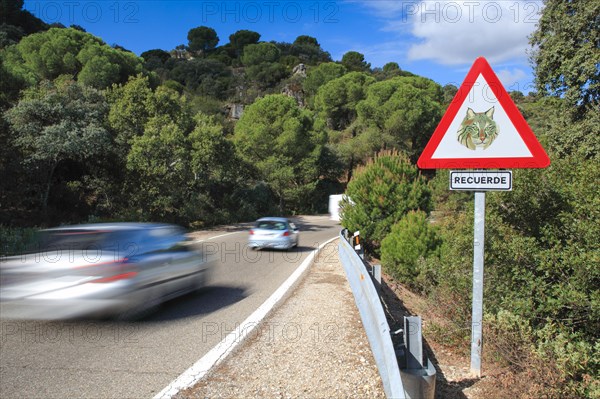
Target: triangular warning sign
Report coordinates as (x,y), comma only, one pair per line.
(483,129)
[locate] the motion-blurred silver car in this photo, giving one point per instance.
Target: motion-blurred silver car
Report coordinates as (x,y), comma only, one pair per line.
(274,232)
(99,270)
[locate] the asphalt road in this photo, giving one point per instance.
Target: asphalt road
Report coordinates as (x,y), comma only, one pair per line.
(101,359)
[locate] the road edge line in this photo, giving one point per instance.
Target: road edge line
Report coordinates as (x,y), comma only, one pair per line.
(217,354)
(219,236)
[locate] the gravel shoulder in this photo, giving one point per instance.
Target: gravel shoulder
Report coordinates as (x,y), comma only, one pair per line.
(312,346)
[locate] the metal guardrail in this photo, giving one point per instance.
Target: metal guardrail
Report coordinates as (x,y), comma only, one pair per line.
(416,379)
(373,318)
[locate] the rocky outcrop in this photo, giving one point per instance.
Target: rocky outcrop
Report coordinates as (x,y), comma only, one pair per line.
(299,70)
(234,111)
(295,91)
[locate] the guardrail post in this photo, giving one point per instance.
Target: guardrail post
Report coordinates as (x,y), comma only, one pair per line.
(417,372)
(377,277)
(413,341)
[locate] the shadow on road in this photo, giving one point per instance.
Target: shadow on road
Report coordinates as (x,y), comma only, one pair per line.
(305,224)
(203,302)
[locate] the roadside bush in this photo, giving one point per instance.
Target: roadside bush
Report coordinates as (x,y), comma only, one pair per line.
(541,279)
(411,240)
(545,363)
(380,194)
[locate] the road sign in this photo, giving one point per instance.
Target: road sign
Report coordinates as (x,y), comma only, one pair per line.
(483,129)
(481,180)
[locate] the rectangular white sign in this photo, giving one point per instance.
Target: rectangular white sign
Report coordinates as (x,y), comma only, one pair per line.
(481,180)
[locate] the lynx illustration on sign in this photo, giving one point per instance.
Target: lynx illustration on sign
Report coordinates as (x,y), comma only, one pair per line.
(478,129)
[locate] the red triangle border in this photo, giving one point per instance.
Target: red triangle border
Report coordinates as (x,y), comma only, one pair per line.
(539,157)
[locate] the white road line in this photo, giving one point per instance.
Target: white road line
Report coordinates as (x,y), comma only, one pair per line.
(217,354)
(220,235)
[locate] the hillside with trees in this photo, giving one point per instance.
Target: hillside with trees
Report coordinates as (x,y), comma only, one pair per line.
(206,133)
(220,131)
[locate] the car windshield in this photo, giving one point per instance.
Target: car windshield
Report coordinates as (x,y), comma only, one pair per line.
(270,225)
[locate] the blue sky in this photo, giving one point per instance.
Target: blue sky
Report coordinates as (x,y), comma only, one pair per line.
(436,39)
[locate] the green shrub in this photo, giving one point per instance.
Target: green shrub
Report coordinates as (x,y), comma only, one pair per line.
(411,240)
(380,194)
(556,363)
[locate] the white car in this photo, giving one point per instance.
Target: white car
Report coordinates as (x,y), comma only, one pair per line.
(273,232)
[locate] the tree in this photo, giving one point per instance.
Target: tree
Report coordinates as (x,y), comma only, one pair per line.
(566,52)
(241,39)
(262,66)
(132,105)
(11,86)
(12,13)
(129,109)
(162,55)
(308,50)
(212,155)
(405,110)
(306,40)
(336,100)
(157,61)
(202,39)
(391,68)
(10,10)
(274,135)
(318,76)
(355,61)
(380,194)
(336,106)
(159,161)
(207,77)
(255,54)
(410,241)
(55,123)
(80,29)
(389,71)
(448,93)
(98,71)
(266,74)
(47,55)
(9,35)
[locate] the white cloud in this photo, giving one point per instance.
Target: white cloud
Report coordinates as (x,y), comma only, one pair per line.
(511,79)
(457,32)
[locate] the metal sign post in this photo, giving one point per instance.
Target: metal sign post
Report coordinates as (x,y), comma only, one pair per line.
(477,315)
